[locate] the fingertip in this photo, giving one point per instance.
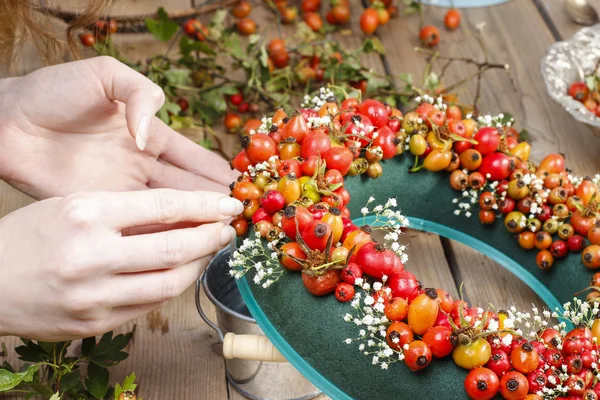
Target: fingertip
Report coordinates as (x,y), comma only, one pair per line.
(230,206)
(142,133)
(227,235)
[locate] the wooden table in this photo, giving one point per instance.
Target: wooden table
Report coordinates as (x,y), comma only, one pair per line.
(172,349)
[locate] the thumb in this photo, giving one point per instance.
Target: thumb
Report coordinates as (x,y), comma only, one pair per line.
(141,96)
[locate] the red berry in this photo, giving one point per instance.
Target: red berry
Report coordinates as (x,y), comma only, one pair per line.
(316,234)
(558,249)
(87,39)
(537,381)
(344,292)
(575,243)
(236,99)
(261,215)
(243,107)
(499,362)
(351,272)
(272,201)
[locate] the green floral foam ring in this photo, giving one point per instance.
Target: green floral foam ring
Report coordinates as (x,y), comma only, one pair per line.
(311,333)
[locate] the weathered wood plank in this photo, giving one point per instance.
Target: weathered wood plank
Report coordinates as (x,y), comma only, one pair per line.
(486,282)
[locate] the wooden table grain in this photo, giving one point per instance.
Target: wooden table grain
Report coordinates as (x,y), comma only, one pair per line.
(172,351)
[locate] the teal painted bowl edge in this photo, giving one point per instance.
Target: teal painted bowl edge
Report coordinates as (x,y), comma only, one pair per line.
(323,383)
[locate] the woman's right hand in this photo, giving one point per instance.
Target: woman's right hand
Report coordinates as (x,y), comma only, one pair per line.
(68,268)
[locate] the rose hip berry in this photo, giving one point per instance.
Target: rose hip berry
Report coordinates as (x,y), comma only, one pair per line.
(344,292)
(559,249)
(351,272)
(575,243)
(272,201)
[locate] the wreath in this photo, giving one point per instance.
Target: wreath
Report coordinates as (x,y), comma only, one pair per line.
(468,178)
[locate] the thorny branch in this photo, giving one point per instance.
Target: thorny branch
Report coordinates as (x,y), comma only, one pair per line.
(135,23)
(482,67)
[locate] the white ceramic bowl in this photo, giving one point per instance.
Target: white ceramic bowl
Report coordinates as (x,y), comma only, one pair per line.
(562,65)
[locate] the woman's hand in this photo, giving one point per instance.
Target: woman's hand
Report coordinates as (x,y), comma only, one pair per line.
(74,127)
(67,271)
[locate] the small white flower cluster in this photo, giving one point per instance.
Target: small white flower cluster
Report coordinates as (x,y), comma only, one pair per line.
(372,322)
(265,168)
(578,312)
(253,254)
(528,324)
(495,121)
(391,221)
(437,102)
(264,127)
(317,101)
(317,122)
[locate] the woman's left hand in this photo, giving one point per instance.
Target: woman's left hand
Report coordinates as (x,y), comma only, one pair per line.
(91,125)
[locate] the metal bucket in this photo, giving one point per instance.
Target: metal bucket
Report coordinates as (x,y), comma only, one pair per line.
(253,378)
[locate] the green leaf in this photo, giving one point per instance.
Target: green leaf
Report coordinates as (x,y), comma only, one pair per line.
(169,106)
(215,100)
(55,396)
(162,28)
(43,390)
(217,25)
(207,114)
(524,135)
(264,56)
(507,117)
(254,38)
(432,81)
(375,82)
(70,380)
(187,45)
(405,77)
(6,365)
(97,381)
(178,122)
(32,352)
(412,7)
(178,76)
(277,83)
(9,380)
(233,46)
(591,82)
(129,382)
(206,143)
(108,351)
(228,89)
(87,345)
(304,33)
(373,44)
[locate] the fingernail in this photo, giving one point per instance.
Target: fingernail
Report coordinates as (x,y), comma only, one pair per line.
(143,131)
(227,235)
(230,206)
